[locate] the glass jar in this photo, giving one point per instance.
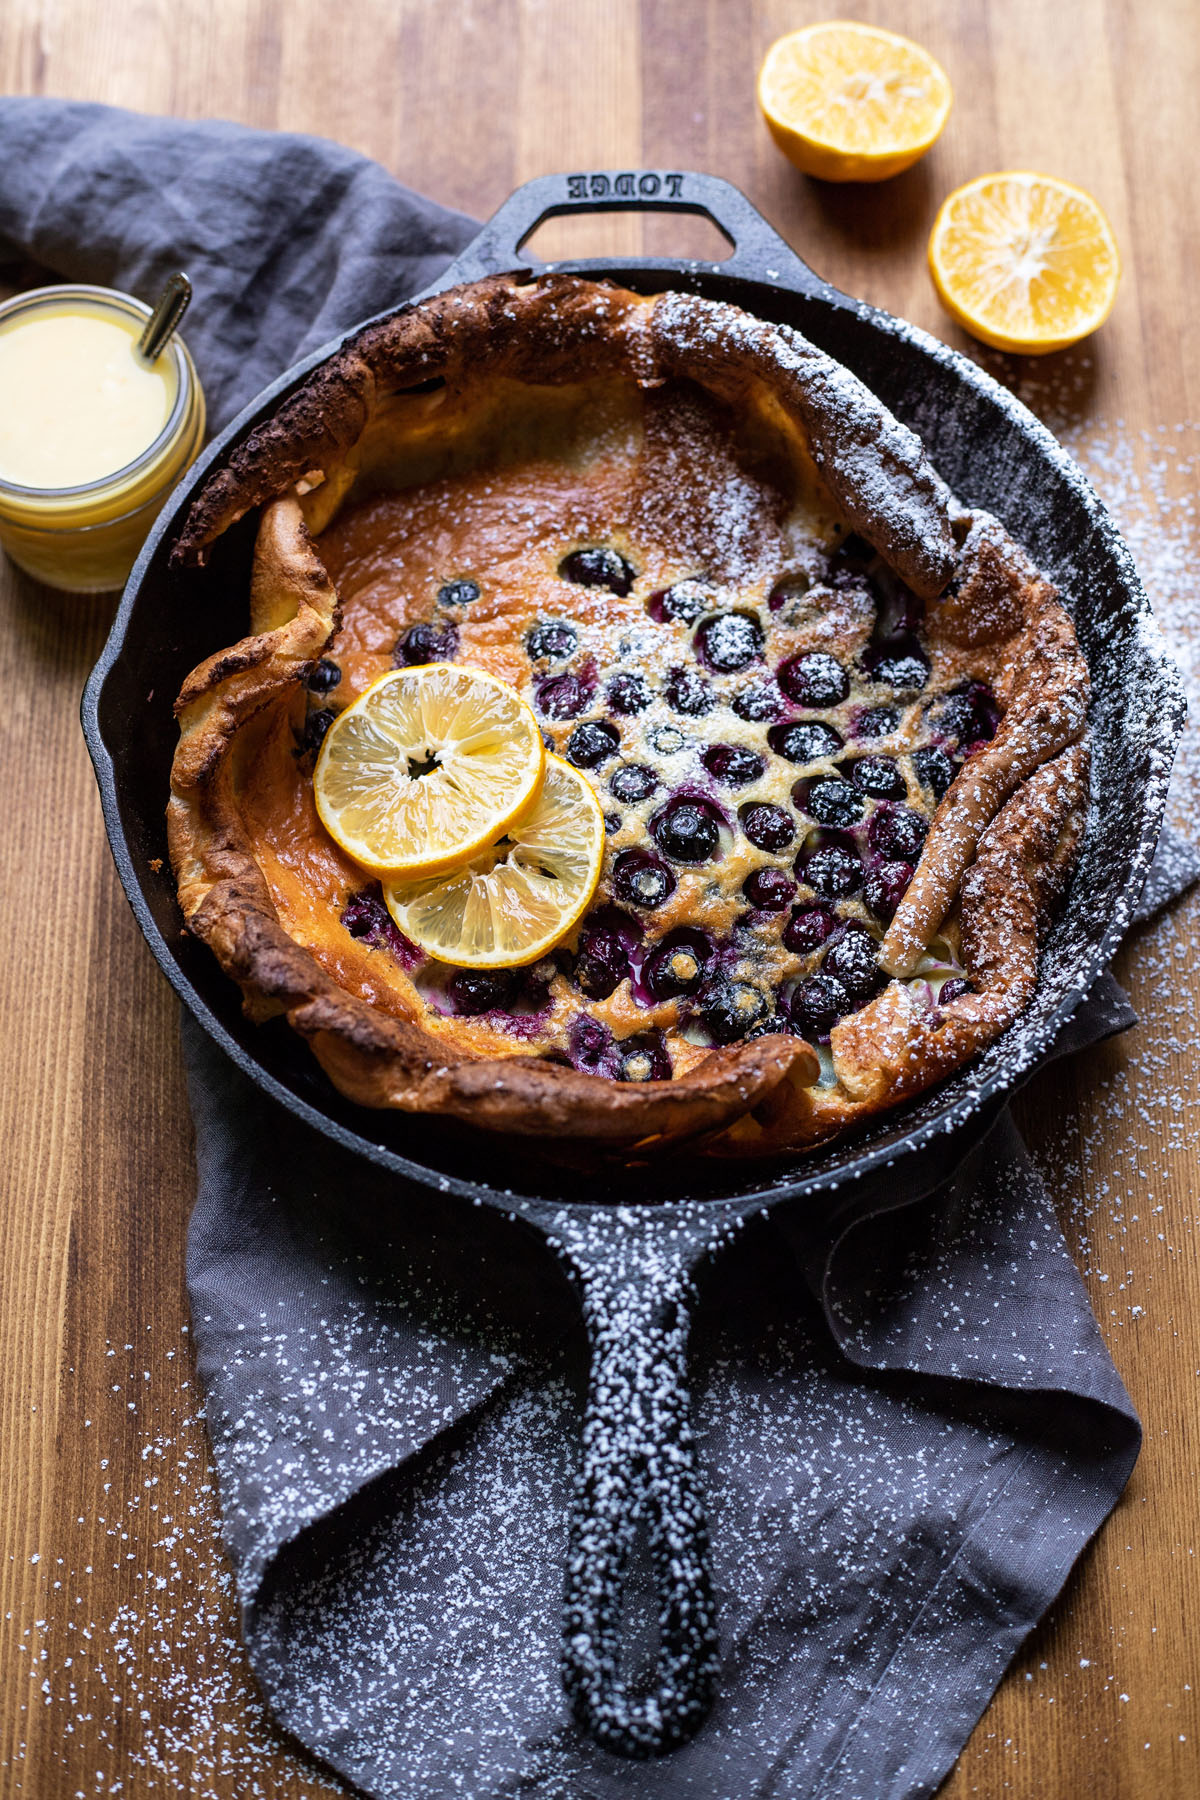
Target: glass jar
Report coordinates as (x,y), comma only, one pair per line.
(85,538)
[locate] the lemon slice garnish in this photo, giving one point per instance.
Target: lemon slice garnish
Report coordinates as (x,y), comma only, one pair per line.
(850,102)
(513,902)
(427,767)
(1026,262)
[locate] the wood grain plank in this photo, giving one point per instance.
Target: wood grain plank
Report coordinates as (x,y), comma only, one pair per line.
(127,1615)
(578,106)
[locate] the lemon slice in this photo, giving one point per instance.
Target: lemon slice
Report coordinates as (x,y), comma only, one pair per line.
(426,767)
(850,102)
(515,901)
(1025,262)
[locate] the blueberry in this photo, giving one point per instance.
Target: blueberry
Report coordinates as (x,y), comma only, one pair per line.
(458,593)
(686,830)
(612,823)
(954,989)
(367,918)
(629,694)
(854,962)
(603,961)
(590,1046)
(814,679)
(905,666)
(592,743)
(804,743)
(879,776)
(885,888)
(564,696)
(733,765)
(759,703)
(323,676)
(818,1004)
(632,782)
(667,741)
(769,890)
(954,717)
(641,879)
(876,722)
(550,640)
(729,642)
(599,566)
(768,827)
(425,643)
(768,1025)
(969,716)
(897,833)
(677,966)
(731,1008)
(830,802)
(688,692)
(316,724)
(481,990)
(933,769)
(807,929)
(364,915)
(643,1058)
(682,603)
(832,870)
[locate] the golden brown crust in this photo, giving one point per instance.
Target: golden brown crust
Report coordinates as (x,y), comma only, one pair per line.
(559,328)
(1045,710)
(1002,841)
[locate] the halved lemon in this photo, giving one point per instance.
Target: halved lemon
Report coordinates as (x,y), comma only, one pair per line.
(514,901)
(426,767)
(1025,262)
(849,102)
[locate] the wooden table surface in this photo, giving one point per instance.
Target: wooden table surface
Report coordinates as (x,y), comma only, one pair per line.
(120,1668)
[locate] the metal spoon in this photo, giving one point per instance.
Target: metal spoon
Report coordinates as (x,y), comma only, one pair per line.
(173,302)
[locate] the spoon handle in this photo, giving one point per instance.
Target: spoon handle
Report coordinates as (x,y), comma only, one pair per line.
(173,302)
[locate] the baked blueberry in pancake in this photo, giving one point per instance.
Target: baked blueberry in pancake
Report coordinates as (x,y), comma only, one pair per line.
(835,722)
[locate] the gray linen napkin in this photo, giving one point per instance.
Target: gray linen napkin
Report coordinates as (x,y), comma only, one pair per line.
(908,1429)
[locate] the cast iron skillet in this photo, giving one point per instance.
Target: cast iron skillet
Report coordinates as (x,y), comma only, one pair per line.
(633,1238)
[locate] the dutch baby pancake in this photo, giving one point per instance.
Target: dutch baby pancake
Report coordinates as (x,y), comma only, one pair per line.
(834,722)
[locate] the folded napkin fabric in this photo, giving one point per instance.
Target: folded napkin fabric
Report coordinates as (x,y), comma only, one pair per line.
(908,1425)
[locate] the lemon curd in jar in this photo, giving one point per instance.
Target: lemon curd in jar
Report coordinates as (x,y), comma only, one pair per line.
(92,436)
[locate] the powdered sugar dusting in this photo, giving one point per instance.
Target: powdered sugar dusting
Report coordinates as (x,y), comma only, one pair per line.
(875,465)
(158,1684)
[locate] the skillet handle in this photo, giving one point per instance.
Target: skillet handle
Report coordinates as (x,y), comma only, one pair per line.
(758,252)
(638,1475)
